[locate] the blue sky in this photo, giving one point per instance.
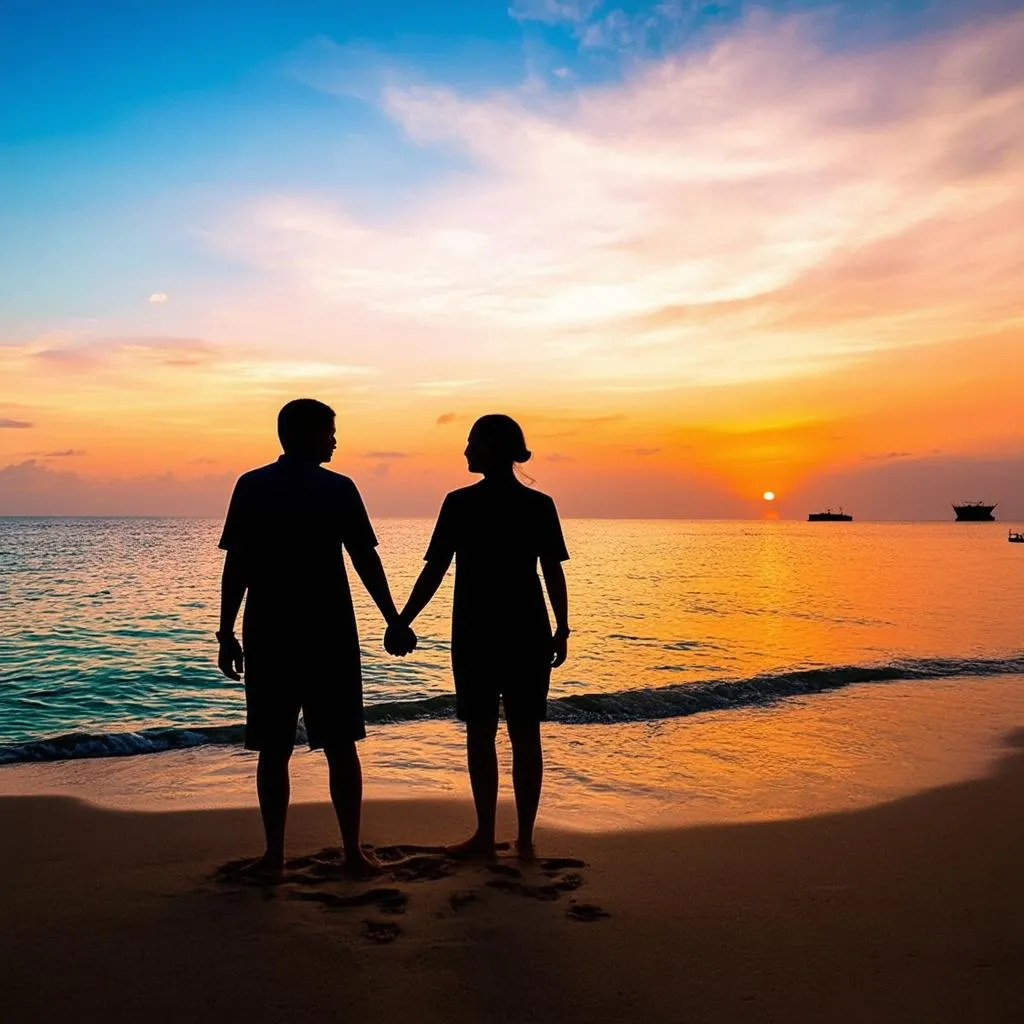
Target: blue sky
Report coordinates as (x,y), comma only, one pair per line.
(122,121)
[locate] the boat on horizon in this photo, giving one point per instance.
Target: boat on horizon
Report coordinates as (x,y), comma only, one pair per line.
(828,516)
(974,512)
(1015,538)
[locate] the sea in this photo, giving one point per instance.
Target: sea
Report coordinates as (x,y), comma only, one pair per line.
(718,670)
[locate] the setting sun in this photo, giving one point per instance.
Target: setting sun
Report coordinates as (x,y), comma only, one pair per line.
(768,495)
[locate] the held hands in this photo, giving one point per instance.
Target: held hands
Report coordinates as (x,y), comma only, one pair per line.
(399,640)
(230,659)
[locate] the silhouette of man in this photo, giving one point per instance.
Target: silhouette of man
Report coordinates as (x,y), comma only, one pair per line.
(285,529)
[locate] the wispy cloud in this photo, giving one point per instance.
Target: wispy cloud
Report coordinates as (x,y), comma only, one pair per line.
(761,208)
(83,353)
(31,488)
(159,298)
(448,387)
(9,424)
(555,12)
(600,25)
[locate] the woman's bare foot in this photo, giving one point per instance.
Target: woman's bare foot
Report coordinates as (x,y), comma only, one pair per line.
(525,850)
(362,865)
(268,869)
(476,847)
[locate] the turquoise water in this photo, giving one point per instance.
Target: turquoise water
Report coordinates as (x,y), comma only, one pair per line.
(106,641)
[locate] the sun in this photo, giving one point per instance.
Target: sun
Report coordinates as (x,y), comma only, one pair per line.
(768,495)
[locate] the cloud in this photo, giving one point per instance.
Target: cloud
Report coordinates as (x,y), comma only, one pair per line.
(559,457)
(920,487)
(85,353)
(9,424)
(122,359)
(387,455)
(448,387)
(30,488)
(554,12)
(644,452)
(158,298)
(757,209)
(889,455)
(65,453)
(445,418)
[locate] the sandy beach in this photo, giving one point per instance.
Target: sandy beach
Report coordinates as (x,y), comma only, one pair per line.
(909,911)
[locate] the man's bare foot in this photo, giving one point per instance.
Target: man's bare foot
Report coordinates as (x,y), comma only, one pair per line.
(268,868)
(525,850)
(362,865)
(476,847)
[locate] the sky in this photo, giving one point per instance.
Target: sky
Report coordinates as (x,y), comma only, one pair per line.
(701,250)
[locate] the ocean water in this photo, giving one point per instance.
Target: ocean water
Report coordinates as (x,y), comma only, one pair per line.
(106,642)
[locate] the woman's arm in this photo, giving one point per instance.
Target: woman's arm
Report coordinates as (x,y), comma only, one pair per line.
(398,639)
(424,589)
(558,595)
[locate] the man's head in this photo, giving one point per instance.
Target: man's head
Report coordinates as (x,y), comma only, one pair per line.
(306,428)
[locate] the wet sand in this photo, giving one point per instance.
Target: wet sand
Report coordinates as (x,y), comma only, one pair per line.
(910,911)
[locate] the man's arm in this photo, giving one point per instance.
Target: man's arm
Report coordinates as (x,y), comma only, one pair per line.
(558,594)
(232,590)
(398,639)
(367,565)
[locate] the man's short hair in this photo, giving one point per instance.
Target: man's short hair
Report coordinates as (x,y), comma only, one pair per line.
(301,420)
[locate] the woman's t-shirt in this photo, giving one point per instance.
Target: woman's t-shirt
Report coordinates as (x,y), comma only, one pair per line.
(497,533)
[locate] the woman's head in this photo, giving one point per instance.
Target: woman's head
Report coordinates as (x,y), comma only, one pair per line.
(495,442)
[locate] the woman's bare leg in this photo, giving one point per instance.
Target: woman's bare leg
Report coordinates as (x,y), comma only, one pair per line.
(527,779)
(482,760)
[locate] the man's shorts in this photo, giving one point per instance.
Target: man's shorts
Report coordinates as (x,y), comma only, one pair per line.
(332,708)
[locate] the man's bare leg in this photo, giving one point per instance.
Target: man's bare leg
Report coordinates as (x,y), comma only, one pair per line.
(346,777)
(527,779)
(482,759)
(273,789)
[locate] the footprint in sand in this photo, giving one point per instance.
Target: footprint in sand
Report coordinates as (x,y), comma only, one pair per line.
(307,876)
(511,879)
(328,855)
(544,893)
(381,931)
(389,901)
(552,865)
(461,899)
(508,870)
(570,883)
(421,868)
(586,912)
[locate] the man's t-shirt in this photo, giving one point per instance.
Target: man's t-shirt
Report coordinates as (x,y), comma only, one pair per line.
(497,531)
(288,522)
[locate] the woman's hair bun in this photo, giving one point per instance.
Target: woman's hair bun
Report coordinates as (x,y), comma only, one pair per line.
(504,437)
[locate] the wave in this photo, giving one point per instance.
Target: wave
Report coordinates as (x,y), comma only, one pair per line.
(673,701)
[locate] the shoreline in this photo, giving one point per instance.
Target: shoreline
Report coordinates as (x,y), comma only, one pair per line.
(911,910)
(847,749)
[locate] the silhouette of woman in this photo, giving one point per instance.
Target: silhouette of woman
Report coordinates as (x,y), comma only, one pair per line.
(502,645)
